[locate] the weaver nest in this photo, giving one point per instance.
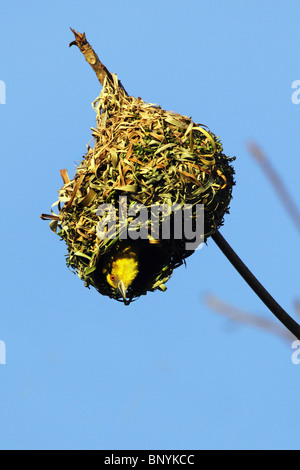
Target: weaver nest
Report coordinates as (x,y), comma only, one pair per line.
(151,156)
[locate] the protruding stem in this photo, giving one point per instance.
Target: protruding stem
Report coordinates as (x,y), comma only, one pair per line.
(91,57)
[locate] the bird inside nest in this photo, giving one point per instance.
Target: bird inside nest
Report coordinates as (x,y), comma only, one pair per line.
(130,267)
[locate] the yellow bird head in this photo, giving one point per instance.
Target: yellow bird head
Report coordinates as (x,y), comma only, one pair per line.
(121,272)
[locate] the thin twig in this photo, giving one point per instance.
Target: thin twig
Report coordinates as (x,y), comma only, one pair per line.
(297,306)
(256,286)
(240,316)
(276,182)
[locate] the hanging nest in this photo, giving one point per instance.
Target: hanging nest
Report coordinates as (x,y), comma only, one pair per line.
(151,156)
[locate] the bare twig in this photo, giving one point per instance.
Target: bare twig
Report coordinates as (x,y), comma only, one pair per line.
(239,316)
(277,183)
(297,306)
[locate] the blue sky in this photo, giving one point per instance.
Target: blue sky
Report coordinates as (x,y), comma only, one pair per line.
(83,371)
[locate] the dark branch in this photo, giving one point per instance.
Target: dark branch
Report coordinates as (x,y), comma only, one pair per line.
(256,286)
